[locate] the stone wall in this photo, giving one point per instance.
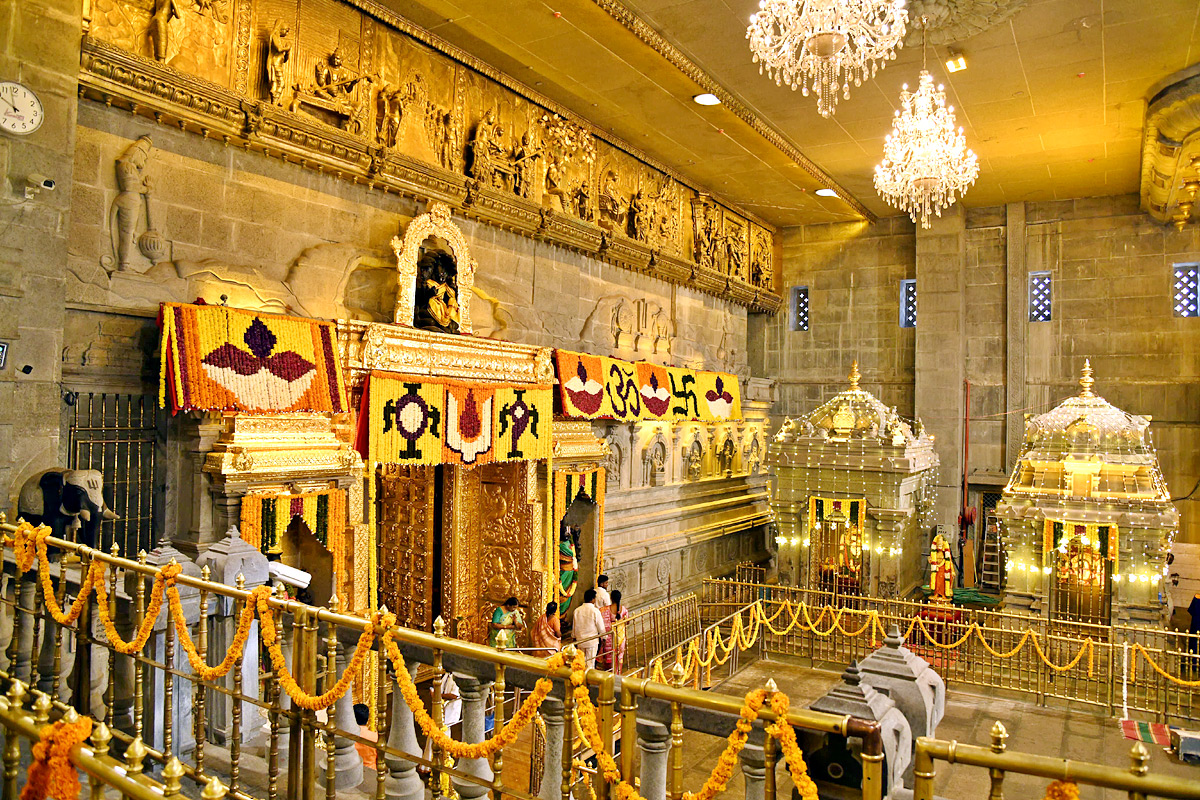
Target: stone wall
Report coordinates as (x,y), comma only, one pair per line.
(853,272)
(39,47)
(1112,282)
(265,234)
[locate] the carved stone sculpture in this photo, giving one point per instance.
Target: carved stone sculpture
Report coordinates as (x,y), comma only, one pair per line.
(160,27)
(335,92)
(612,207)
(132,201)
(437,293)
(69,501)
(640,216)
(583,202)
(483,150)
(525,162)
(695,461)
(279,49)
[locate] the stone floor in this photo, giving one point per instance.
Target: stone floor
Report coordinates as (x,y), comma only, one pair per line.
(1081,735)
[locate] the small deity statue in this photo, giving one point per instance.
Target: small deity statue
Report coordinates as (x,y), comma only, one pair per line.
(389,113)
(583,201)
(612,208)
(525,160)
(437,299)
(482,150)
(694,465)
(133,185)
(332,81)
(555,196)
(160,27)
(941,570)
(640,211)
(279,50)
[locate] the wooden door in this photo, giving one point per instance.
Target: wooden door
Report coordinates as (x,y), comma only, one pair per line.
(407,558)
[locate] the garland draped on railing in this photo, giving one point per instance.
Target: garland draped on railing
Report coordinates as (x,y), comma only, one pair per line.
(46,776)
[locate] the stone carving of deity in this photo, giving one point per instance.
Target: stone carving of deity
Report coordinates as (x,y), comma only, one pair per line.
(437,293)
(160,27)
(526,160)
(279,50)
(133,195)
(612,207)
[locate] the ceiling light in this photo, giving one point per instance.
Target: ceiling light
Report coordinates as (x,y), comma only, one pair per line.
(826,193)
(814,45)
(926,165)
(957,62)
(707,99)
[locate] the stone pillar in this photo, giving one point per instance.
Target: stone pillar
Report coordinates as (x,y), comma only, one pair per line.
(347,762)
(552,715)
(654,742)
(754,770)
(26,592)
(941,350)
(474,699)
(403,782)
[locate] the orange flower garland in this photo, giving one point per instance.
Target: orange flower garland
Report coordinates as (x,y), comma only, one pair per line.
(783,732)
(50,772)
(1062,790)
(485,749)
(236,648)
(300,697)
(143,633)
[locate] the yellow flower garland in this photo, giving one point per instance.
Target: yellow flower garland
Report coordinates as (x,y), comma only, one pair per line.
(1062,790)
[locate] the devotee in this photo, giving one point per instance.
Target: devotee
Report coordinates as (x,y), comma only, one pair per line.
(602,597)
(589,625)
(547,633)
(451,714)
(506,621)
(362,716)
(612,647)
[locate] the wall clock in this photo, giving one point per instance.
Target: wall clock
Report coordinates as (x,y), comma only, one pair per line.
(20,109)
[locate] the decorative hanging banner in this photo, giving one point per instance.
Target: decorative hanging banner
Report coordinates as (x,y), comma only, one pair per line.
(216,358)
(820,508)
(266,516)
(407,419)
(598,387)
(524,423)
(1057,535)
(417,420)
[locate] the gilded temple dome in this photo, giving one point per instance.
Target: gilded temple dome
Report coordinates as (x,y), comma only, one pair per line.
(1087,424)
(854,414)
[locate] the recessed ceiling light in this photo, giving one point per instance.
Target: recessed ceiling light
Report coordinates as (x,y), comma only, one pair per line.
(826,193)
(707,99)
(957,62)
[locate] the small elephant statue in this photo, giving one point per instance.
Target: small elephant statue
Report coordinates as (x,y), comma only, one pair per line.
(69,501)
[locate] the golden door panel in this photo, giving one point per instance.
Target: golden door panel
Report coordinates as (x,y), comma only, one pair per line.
(406,543)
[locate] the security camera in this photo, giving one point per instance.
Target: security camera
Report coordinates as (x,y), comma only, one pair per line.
(35,183)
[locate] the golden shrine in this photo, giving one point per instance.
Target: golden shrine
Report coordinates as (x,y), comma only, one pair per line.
(855,488)
(1087,520)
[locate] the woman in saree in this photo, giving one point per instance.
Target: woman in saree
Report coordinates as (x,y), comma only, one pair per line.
(612,647)
(547,633)
(506,621)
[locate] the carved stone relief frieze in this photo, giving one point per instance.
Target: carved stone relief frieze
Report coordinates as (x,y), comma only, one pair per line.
(404,111)
(762,255)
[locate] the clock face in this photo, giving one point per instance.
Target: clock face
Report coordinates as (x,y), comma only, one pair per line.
(20,110)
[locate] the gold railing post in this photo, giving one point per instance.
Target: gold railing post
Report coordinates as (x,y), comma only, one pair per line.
(139,615)
(999,735)
(173,779)
(381,721)
(199,723)
(12,743)
(568,742)
(110,699)
(872,756)
(769,750)
(604,707)
(923,771)
(276,710)
(101,738)
(335,605)
(1139,757)
(437,703)
(168,717)
(60,594)
(235,723)
(676,784)
(497,726)
(628,730)
(304,661)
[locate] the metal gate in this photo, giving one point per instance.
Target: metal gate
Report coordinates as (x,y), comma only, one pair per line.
(837,551)
(1082,580)
(117,434)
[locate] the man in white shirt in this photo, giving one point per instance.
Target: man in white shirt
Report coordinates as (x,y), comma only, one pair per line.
(589,625)
(603,600)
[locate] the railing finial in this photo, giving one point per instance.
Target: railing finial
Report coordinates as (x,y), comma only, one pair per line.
(999,737)
(1140,758)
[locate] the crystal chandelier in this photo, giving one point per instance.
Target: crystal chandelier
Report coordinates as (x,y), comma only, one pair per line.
(817,44)
(926,162)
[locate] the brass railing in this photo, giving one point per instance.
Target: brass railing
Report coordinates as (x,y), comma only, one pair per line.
(1114,675)
(1000,762)
(243,729)
(655,630)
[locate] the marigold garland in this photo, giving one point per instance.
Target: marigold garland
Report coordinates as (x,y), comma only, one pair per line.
(236,648)
(783,732)
(1062,790)
(143,633)
(50,772)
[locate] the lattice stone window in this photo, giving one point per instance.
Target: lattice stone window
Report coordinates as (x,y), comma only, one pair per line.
(1186,276)
(1039,297)
(799,308)
(908,303)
